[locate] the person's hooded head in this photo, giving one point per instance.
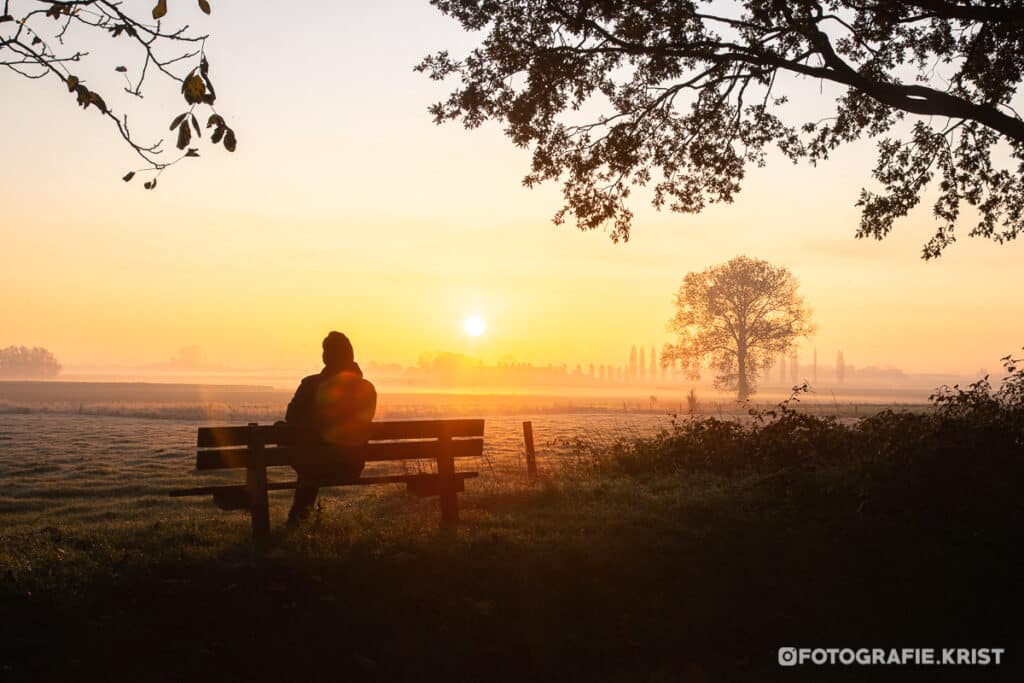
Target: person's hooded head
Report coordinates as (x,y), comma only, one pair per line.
(338,354)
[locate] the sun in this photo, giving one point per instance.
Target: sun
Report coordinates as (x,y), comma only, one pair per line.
(474,326)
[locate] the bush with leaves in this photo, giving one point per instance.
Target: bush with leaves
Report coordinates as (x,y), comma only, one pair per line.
(979,422)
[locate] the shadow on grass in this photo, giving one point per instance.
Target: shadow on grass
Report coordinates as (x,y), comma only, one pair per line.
(595,578)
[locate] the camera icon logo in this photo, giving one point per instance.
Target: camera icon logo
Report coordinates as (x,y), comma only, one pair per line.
(787,656)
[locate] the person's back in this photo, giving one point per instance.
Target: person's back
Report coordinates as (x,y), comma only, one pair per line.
(333,408)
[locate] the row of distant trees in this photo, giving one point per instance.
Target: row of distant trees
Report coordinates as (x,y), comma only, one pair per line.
(21,361)
(643,367)
(798,373)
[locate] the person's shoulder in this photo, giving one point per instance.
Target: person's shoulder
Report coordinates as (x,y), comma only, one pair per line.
(366,388)
(311,380)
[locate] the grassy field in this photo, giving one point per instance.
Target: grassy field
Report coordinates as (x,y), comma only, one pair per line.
(692,555)
(584,576)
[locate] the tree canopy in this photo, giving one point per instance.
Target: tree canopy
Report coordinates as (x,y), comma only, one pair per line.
(737,318)
(38,40)
(692,93)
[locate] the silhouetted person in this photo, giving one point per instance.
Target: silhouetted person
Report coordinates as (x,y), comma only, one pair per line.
(332,409)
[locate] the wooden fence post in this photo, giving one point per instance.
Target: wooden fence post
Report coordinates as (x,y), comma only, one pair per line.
(531,454)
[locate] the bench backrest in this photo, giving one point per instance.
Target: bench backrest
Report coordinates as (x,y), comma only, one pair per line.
(232,447)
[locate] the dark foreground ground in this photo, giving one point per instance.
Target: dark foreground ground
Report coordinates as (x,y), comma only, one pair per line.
(583,577)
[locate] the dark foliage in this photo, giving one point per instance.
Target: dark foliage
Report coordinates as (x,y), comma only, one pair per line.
(980,426)
(692,93)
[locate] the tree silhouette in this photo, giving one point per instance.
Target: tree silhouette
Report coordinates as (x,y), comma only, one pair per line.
(21,361)
(632,363)
(38,41)
(691,93)
(641,365)
(840,367)
(737,316)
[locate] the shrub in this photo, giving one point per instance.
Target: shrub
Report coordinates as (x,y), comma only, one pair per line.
(980,421)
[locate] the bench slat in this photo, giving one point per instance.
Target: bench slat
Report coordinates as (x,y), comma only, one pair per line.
(287,485)
(228,458)
(218,437)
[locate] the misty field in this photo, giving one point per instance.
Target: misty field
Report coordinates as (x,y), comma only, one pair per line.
(653,548)
(107,453)
(84,470)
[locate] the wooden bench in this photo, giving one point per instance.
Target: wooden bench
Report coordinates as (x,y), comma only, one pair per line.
(256,447)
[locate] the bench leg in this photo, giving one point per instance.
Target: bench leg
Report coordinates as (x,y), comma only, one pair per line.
(449,508)
(256,484)
(447,484)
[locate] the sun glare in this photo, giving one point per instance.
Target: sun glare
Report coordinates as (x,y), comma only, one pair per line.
(474,326)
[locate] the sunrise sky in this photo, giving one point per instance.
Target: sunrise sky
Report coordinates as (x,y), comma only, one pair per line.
(346,208)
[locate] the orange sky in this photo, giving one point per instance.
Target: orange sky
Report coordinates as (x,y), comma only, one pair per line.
(345,207)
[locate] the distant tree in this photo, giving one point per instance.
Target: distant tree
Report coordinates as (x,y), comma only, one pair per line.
(686,95)
(794,366)
(21,361)
(738,317)
(40,39)
(840,367)
(653,369)
(814,367)
(782,368)
(632,363)
(641,365)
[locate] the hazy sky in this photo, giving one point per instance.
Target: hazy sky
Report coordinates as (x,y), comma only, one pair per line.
(346,208)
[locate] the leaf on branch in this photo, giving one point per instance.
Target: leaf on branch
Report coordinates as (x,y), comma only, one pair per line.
(54,11)
(218,133)
(204,66)
(210,96)
(72,83)
(195,124)
(94,98)
(82,94)
(215,120)
(128,176)
(5,18)
(36,40)
(193,88)
(149,184)
(184,135)
(159,11)
(205,6)
(121,69)
(192,152)
(229,140)
(177,120)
